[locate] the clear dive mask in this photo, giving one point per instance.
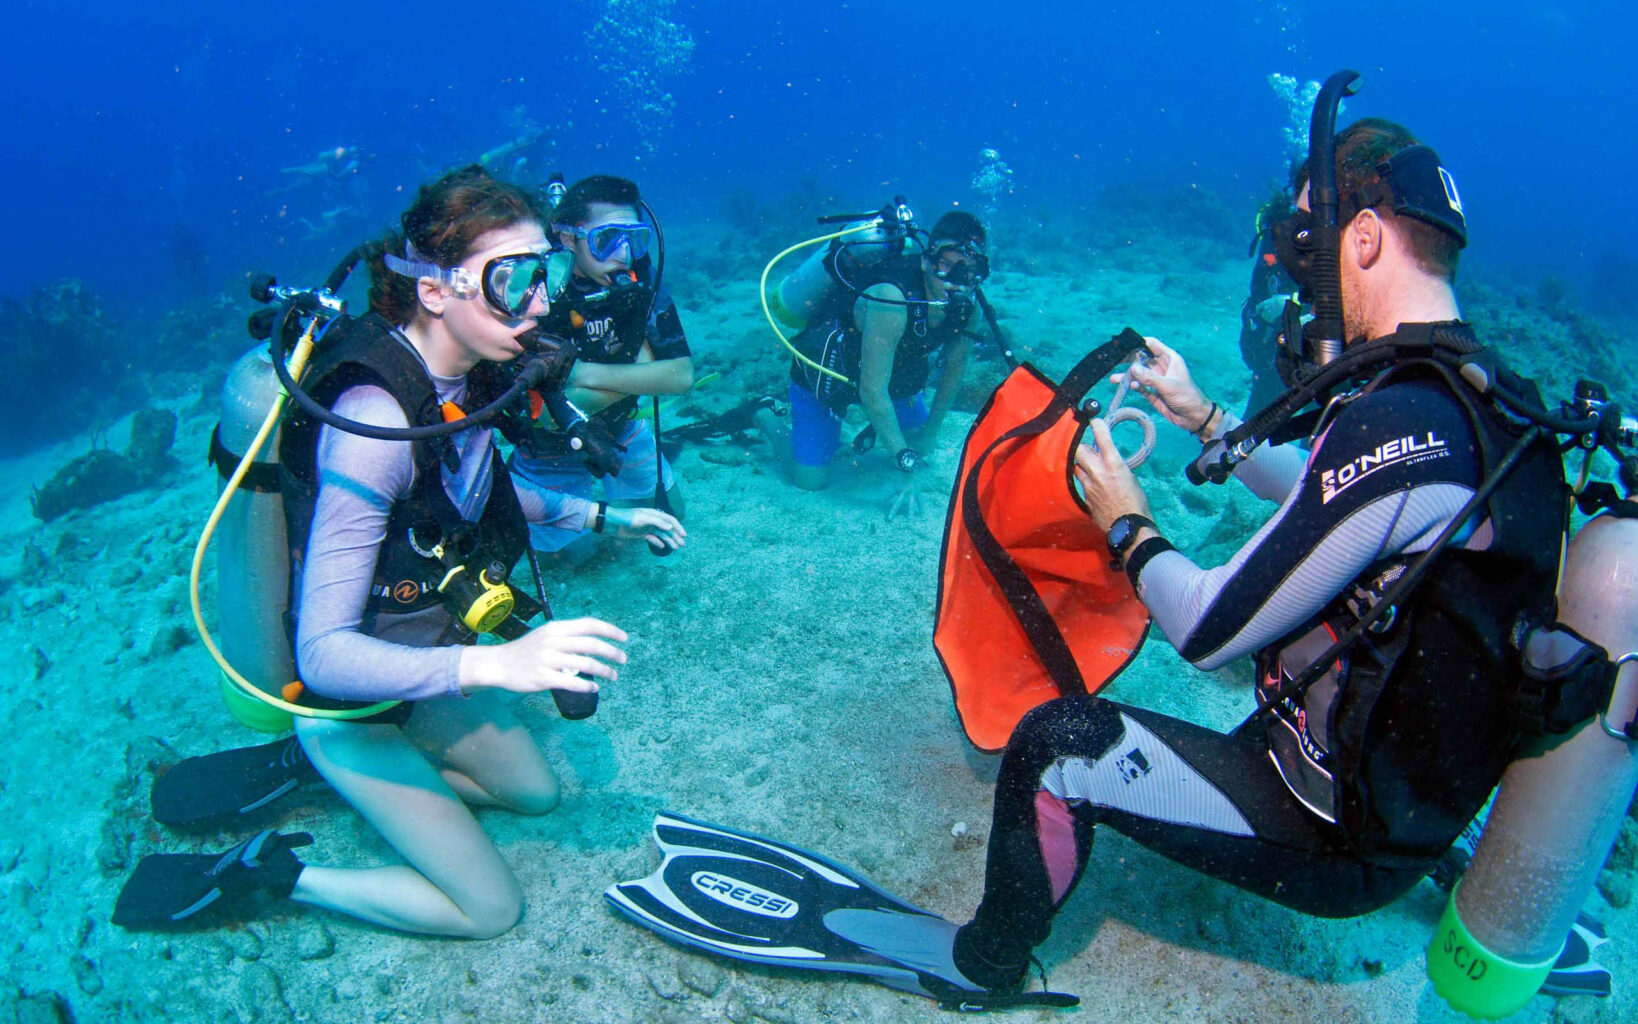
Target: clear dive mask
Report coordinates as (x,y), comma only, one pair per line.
(510,283)
(605,240)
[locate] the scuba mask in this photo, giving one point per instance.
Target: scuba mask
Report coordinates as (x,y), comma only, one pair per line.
(1293,240)
(1413,184)
(961,275)
(604,241)
(508,283)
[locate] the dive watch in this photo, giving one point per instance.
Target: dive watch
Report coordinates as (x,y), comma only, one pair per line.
(1123,532)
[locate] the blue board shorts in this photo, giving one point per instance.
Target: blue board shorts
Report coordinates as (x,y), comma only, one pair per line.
(816,432)
(568,474)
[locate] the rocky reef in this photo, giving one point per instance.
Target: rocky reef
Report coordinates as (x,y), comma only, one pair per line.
(102,474)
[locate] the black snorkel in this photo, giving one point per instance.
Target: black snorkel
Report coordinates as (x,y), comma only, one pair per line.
(994,324)
(661,502)
(1313,349)
(1322,340)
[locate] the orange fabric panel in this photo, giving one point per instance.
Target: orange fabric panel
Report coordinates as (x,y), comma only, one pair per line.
(1025,496)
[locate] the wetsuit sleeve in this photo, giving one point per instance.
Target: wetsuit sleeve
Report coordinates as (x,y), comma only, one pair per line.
(359,481)
(1386,477)
(665,330)
(543,506)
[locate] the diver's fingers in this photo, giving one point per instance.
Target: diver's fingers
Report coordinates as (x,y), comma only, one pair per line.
(559,680)
(583,647)
(1105,454)
(578,665)
(585,626)
(656,519)
(1165,356)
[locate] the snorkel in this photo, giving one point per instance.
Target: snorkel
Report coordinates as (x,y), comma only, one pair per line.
(1320,340)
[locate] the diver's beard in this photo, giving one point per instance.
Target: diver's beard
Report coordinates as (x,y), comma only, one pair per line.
(1355,325)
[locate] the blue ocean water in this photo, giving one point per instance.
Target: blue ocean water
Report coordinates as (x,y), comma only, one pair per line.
(148,140)
(159,154)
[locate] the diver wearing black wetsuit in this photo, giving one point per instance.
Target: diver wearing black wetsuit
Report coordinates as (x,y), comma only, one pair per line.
(1257,809)
(1339,797)
(833,341)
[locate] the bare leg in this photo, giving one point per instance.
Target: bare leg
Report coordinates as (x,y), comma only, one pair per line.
(486,755)
(455,882)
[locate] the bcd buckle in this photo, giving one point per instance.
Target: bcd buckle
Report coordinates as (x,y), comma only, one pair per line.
(1565,679)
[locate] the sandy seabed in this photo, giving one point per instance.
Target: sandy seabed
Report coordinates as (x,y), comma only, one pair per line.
(782,680)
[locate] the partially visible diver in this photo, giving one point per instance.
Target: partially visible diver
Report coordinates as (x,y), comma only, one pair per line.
(509,159)
(1263,312)
(886,316)
(328,166)
(376,528)
(621,319)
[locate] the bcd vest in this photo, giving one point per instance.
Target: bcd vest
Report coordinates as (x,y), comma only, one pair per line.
(368,350)
(832,340)
(1405,736)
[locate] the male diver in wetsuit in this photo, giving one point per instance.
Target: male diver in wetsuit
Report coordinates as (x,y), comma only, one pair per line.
(1339,798)
(631,345)
(878,337)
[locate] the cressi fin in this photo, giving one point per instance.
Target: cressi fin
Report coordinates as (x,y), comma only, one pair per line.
(1576,973)
(212,790)
(748,898)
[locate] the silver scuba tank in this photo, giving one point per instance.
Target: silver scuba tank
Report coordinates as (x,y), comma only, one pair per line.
(1558,809)
(853,255)
(252,553)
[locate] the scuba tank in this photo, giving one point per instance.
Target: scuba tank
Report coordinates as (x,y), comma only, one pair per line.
(865,241)
(1560,804)
(252,555)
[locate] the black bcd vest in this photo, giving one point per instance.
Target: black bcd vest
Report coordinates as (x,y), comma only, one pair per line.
(1425,719)
(368,350)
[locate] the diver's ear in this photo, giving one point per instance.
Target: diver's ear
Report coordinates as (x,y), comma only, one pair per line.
(1365,237)
(566,239)
(432,295)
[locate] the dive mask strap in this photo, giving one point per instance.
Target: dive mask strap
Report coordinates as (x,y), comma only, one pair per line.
(459,280)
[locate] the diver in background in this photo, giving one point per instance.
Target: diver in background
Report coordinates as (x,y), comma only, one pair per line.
(881,332)
(460,285)
(1262,314)
(331,165)
(508,159)
(631,344)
